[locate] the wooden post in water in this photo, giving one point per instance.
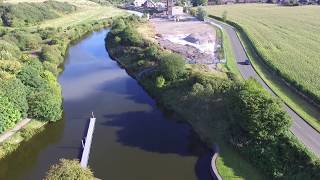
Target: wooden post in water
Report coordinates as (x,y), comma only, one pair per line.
(87,143)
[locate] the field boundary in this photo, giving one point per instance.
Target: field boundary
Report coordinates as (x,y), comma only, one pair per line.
(258,61)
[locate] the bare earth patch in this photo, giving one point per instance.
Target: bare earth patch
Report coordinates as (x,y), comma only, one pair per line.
(193,39)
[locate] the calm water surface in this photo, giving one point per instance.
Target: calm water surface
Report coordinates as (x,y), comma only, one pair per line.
(132,139)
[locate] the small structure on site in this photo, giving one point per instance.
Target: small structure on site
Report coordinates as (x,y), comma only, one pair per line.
(138,3)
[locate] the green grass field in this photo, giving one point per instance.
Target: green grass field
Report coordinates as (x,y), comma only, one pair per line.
(287,38)
(87,11)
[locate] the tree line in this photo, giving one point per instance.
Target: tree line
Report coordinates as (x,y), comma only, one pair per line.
(254,122)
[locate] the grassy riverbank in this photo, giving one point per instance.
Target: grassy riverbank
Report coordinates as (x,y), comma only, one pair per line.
(31,59)
(12,143)
(247,122)
(171,97)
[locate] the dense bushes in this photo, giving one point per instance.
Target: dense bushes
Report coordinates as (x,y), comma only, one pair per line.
(260,130)
(9,115)
(251,119)
(171,66)
(24,40)
(69,169)
(259,115)
(45,105)
(30,13)
(16,93)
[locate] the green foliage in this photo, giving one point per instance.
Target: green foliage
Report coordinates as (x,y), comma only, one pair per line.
(171,66)
(12,67)
(295,58)
(30,77)
(129,36)
(224,16)
(152,52)
(199,2)
(31,13)
(8,51)
(192,12)
(259,114)
(69,169)
(24,40)
(160,81)
(51,54)
(201,13)
(16,93)
(9,115)
(45,106)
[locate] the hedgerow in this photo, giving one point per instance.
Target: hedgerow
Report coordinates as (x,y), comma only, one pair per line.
(254,122)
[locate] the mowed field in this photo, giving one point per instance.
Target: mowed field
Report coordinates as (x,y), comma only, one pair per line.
(87,11)
(287,37)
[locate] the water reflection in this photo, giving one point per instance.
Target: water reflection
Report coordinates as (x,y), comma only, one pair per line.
(132,138)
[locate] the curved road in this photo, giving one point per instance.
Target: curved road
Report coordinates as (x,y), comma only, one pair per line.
(302,130)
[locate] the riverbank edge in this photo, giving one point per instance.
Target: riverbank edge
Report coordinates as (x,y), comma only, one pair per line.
(214,154)
(201,129)
(12,143)
(23,134)
(280,86)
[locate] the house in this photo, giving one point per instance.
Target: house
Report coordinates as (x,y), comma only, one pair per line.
(138,3)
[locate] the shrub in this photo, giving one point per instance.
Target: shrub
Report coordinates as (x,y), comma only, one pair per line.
(192,12)
(224,16)
(9,115)
(160,81)
(30,76)
(24,40)
(16,93)
(201,13)
(51,82)
(12,67)
(69,169)
(9,51)
(259,114)
(51,54)
(130,37)
(44,105)
(152,52)
(171,66)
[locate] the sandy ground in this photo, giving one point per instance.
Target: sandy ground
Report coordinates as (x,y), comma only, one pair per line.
(193,39)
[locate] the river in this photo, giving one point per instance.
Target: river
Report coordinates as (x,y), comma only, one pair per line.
(133,139)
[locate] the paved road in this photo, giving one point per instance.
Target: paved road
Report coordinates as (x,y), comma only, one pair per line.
(302,130)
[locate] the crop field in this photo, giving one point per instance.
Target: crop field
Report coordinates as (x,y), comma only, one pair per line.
(286,37)
(87,11)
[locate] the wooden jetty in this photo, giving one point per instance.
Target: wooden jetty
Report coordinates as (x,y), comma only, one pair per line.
(86,144)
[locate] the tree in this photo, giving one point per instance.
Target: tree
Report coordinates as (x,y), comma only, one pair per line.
(171,66)
(224,16)
(201,13)
(16,93)
(9,115)
(258,114)
(69,170)
(199,2)
(160,81)
(44,105)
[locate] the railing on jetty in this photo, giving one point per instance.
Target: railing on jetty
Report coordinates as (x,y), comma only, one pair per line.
(86,144)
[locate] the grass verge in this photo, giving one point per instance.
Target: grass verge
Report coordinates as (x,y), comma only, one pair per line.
(11,144)
(304,109)
(231,61)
